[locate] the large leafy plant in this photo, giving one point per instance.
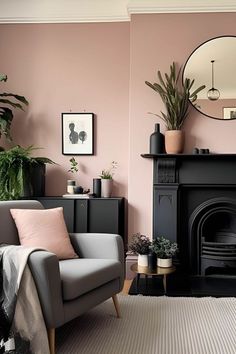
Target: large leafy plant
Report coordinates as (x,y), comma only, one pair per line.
(176,97)
(16,166)
(8,101)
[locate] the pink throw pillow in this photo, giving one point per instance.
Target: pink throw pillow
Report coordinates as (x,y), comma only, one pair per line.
(44,229)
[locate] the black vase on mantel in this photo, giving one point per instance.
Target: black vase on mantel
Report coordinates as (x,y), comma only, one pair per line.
(157,141)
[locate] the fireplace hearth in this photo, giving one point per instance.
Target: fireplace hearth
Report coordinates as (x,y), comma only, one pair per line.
(194,204)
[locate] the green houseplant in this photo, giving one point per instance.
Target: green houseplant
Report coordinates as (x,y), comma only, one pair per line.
(18,170)
(165,250)
(176,97)
(74,169)
(108,174)
(107,180)
(140,244)
(8,101)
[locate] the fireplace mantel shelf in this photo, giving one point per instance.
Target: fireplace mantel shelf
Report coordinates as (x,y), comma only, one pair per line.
(187,156)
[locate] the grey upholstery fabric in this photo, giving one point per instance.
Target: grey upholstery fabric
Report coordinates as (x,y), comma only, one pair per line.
(77,307)
(44,267)
(82,275)
(8,229)
(63,293)
(105,246)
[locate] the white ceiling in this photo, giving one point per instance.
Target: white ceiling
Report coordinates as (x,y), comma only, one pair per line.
(62,11)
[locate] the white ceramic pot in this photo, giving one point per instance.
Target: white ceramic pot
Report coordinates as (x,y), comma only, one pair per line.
(164,263)
(106,187)
(143,260)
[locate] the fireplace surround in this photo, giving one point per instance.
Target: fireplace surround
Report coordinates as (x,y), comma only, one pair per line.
(194,204)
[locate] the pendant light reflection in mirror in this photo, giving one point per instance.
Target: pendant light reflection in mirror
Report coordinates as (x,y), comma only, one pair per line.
(213,94)
(212,64)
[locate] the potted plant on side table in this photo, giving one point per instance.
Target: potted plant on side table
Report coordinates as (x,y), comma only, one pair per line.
(140,245)
(165,250)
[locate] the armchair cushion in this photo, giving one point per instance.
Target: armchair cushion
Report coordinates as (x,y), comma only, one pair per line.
(79,276)
(44,229)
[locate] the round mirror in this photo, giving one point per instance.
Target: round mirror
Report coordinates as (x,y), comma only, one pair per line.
(213,64)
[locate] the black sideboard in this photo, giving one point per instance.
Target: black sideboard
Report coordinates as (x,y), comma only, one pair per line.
(102,215)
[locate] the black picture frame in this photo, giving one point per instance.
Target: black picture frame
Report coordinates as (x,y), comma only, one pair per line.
(77,133)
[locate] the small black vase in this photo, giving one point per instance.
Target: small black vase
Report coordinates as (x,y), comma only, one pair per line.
(157,141)
(152,261)
(97,187)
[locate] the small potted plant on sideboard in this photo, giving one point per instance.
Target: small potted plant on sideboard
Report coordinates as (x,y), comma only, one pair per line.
(165,250)
(107,180)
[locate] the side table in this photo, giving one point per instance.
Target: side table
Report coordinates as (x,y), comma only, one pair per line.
(147,272)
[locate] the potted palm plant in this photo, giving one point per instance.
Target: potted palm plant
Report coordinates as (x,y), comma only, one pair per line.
(165,250)
(21,175)
(140,245)
(176,97)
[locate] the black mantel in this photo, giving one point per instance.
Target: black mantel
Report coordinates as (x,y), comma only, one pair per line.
(182,183)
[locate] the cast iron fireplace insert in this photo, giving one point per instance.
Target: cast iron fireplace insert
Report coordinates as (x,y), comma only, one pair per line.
(212,232)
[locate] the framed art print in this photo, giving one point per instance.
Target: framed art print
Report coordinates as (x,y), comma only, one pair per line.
(77,133)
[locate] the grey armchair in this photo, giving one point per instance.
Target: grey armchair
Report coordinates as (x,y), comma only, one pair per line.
(68,288)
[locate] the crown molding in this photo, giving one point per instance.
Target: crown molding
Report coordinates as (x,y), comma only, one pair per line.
(183,6)
(63,11)
(80,11)
(62,19)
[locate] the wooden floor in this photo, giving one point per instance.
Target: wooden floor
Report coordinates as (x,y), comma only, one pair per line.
(126,287)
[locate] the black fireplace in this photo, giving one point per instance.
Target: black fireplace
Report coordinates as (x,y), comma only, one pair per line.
(194,204)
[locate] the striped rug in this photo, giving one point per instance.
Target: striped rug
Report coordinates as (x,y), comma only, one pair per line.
(153,325)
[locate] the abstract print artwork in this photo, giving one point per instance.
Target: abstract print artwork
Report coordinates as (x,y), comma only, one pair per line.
(78,133)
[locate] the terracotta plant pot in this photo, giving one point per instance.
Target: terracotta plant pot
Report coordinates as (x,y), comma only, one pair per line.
(174,141)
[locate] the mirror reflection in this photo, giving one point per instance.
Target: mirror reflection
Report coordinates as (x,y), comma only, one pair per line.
(214,64)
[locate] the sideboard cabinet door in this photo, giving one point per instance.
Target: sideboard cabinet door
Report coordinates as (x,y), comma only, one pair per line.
(67,205)
(106,215)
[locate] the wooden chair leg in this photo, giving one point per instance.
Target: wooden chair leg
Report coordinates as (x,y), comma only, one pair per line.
(116,304)
(51,340)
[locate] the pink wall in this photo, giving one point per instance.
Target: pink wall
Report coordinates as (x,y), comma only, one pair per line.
(77,67)
(156,41)
(101,68)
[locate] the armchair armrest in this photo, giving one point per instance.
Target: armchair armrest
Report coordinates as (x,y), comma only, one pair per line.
(95,245)
(45,270)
